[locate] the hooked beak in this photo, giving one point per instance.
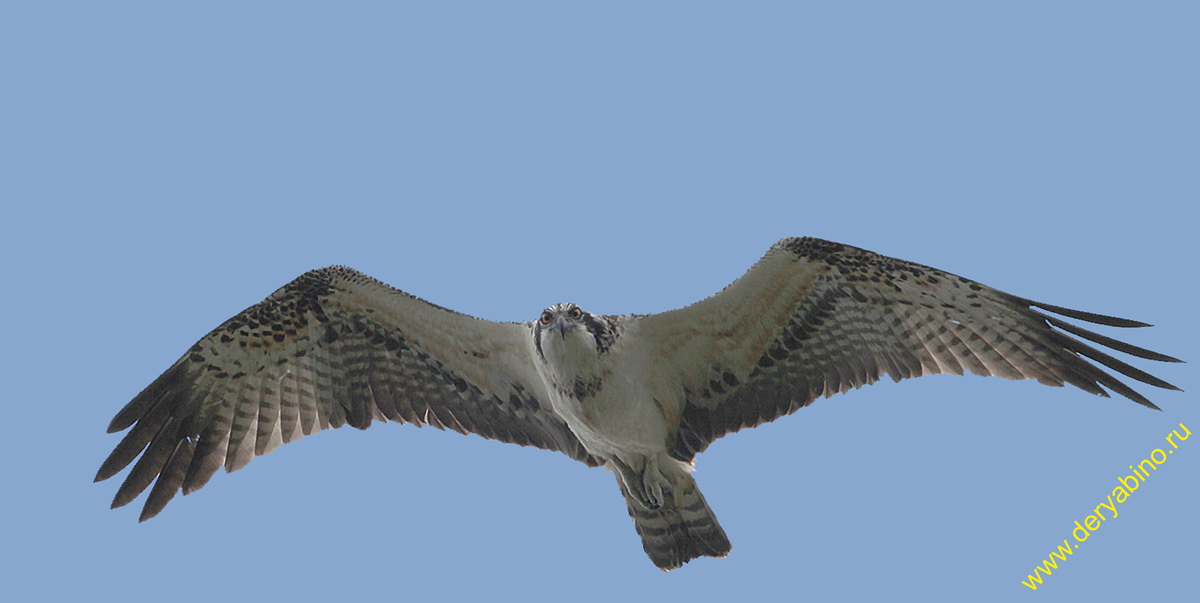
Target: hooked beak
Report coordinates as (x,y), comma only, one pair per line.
(562,325)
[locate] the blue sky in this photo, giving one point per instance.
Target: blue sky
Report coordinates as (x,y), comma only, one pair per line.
(165,167)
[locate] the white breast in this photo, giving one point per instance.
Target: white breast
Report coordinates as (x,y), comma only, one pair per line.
(618,412)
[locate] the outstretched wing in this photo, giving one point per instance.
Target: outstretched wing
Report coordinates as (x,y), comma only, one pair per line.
(332,347)
(814,318)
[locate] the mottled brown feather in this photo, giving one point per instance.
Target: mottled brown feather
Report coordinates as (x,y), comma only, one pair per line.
(333,347)
(850,317)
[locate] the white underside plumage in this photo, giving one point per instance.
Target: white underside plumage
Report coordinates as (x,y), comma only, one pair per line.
(640,394)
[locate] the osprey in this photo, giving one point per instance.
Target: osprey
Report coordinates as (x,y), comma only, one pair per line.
(640,395)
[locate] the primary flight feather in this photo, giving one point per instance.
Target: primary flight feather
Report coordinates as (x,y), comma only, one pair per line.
(641,395)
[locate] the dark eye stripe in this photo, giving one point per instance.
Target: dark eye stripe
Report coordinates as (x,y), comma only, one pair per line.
(603,328)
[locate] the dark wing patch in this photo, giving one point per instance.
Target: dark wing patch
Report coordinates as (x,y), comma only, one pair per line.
(850,316)
(333,347)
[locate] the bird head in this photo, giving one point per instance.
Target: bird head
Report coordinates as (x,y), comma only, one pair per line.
(560,319)
(567,336)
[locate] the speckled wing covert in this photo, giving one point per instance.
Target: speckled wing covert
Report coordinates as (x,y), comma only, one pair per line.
(332,347)
(814,318)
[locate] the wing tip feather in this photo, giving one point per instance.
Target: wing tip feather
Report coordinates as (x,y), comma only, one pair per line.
(1100,319)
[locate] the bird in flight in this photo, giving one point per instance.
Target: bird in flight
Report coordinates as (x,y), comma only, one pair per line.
(639,394)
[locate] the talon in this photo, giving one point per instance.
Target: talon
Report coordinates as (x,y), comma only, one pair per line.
(654,485)
(649,487)
(651,500)
(650,495)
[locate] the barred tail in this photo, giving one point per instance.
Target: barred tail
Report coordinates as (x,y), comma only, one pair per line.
(682,529)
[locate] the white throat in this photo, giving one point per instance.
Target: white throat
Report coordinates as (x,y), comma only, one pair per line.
(570,354)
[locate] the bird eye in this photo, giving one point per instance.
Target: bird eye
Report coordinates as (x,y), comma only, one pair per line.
(547,317)
(575,314)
